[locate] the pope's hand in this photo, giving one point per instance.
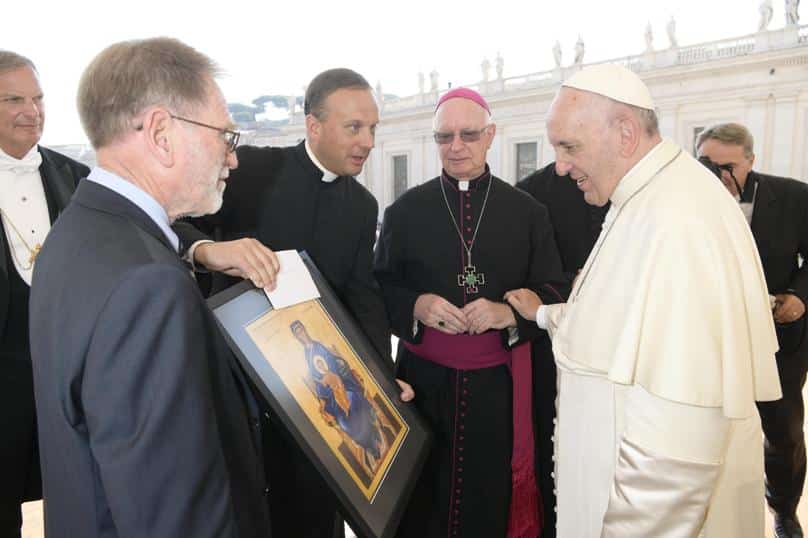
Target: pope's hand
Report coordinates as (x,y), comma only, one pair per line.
(246,258)
(524,301)
(407,393)
(788,308)
(484,314)
(436,312)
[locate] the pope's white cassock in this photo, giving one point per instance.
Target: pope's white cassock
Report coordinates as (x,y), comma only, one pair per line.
(665,343)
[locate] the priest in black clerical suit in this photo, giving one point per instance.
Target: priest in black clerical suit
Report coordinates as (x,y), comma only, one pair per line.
(33,179)
(305,197)
(448,251)
(279,196)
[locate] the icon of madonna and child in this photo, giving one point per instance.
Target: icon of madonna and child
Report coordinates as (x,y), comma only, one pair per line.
(339,395)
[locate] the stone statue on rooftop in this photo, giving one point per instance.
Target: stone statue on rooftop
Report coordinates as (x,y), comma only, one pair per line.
(580,49)
(766,11)
(670,28)
(792,12)
(485,66)
(557,53)
(649,38)
(500,65)
(433,80)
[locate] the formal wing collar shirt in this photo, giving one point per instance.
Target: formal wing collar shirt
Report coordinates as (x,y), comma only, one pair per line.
(656,288)
(25,216)
(139,197)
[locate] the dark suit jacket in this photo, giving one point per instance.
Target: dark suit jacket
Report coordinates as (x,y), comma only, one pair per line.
(780,228)
(146,427)
(276,195)
(60,175)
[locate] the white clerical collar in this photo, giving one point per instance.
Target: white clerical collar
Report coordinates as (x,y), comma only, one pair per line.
(643,171)
(29,163)
(139,197)
(328,176)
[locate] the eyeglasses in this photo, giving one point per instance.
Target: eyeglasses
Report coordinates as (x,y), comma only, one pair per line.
(230,137)
(466,135)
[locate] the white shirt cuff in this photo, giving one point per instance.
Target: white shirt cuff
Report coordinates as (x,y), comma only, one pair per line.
(541,317)
(189,255)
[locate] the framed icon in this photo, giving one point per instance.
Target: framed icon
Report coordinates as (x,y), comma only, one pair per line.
(334,394)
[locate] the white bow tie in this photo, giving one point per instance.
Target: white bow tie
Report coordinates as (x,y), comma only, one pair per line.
(28,164)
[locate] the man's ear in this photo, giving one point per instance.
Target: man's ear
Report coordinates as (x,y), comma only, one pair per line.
(160,132)
(313,128)
(630,132)
(492,132)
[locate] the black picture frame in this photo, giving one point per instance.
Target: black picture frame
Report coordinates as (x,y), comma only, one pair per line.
(239,311)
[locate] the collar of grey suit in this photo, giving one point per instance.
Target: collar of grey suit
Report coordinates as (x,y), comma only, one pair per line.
(139,197)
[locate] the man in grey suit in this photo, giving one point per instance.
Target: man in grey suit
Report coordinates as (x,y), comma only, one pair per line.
(35,185)
(146,424)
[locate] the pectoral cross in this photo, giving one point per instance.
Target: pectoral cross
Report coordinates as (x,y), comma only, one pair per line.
(470,279)
(34,254)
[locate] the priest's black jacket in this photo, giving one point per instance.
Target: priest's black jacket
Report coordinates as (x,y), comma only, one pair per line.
(277,196)
(576,224)
(420,251)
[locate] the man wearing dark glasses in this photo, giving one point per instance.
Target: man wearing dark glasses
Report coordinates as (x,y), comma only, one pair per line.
(448,251)
(777,210)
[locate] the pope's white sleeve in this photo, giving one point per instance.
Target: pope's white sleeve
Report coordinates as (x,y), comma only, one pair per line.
(668,464)
(548,316)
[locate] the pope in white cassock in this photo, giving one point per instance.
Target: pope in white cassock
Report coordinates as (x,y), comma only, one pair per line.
(667,338)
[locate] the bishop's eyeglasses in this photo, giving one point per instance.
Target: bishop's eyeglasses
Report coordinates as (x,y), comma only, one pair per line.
(466,135)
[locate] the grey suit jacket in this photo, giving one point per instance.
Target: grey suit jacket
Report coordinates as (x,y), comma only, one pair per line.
(146,427)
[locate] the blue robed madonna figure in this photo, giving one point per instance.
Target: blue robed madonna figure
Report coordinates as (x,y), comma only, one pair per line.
(343,401)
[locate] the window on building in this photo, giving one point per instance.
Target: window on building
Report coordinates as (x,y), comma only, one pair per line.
(527,159)
(399,175)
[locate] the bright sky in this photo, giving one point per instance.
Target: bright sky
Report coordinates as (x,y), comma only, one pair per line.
(276,47)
